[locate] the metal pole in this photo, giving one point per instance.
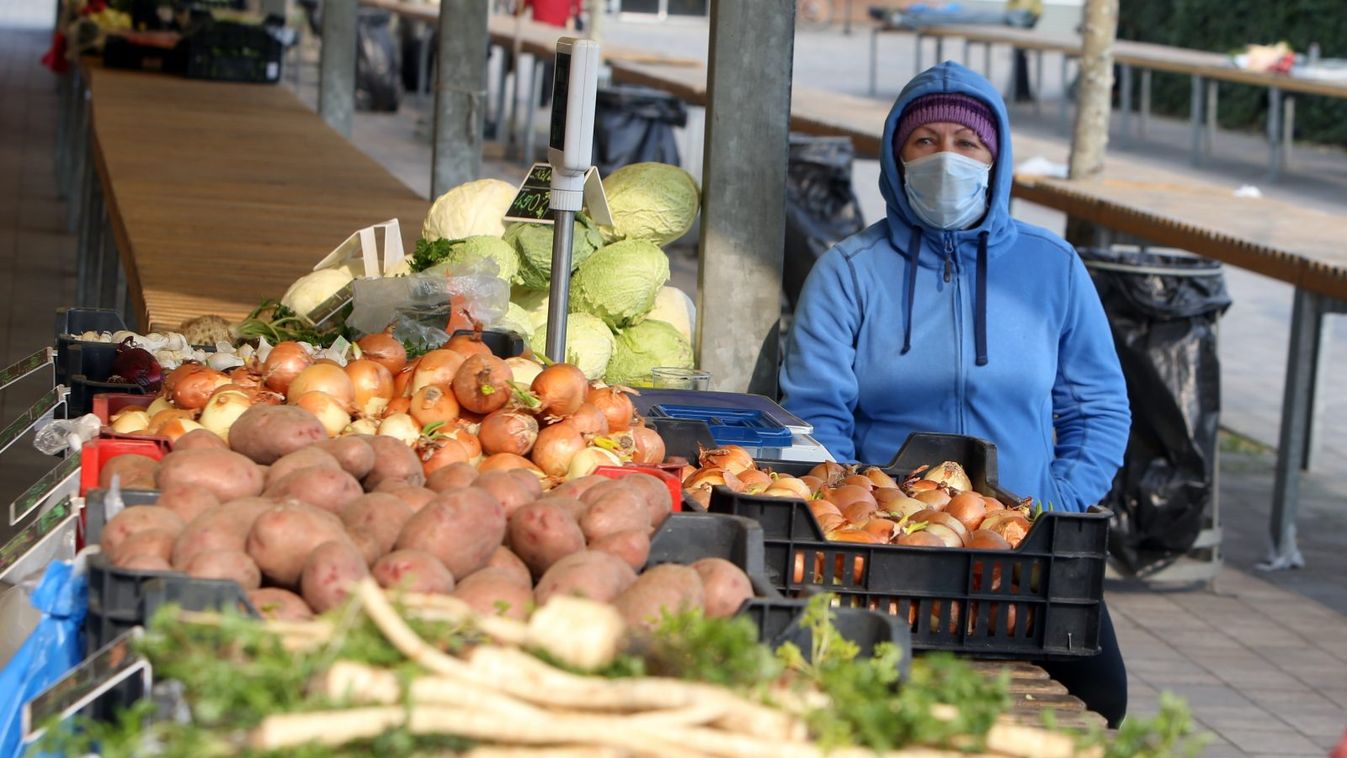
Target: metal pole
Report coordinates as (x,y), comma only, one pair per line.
(1195,118)
(1038,82)
(1210,138)
(1274,136)
(460,95)
(874,53)
(1125,103)
(743,192)
(1305,314)
(559,297)
(1288,130)
(336,66)
(1145,102)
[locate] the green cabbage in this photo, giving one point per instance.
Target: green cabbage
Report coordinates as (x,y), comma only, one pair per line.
(534,303)
(655,202)
(589,344)
(470,209)
(479,248)
(517,320)
(619,282)
(674,306)
(648,345)
(534,244)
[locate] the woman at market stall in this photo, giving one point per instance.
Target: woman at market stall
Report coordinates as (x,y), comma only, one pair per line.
(950,316)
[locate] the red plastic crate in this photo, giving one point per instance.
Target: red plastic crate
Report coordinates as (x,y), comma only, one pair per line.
(109,404)
(98,452)
(670,481)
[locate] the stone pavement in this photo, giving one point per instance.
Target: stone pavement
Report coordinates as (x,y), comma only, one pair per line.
(1261,658)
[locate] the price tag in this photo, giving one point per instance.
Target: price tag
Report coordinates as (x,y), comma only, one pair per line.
(37,532)
(42,490)
(333,305)
(26,366)
(115,663)
(37,412)
(532,204)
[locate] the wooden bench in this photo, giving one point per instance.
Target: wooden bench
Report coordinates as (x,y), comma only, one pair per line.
(219,196)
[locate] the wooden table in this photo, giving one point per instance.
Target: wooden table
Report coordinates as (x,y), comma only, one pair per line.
(220,195)
(1033,692)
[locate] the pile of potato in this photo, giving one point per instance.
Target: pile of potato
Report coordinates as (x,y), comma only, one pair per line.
(297,518)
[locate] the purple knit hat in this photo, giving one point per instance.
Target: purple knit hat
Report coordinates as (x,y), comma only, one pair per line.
(947,107)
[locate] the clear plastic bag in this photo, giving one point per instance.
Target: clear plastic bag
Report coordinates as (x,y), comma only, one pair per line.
(58,436)
(419,306)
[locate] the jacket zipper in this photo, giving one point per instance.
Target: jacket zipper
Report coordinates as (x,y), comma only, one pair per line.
(957,303)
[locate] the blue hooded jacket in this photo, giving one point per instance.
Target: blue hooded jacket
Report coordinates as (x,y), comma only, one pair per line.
(996,332)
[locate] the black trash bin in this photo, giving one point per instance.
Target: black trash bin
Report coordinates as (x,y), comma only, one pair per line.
(1163,310)
(821,206)
(378,62)
(634,125)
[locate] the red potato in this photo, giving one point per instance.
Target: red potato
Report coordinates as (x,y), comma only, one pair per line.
(619,510)
(224,527)
(665,588)
(413,571)
(726,587)
(505,559)
(145,562)
(225,474)
(138,518)
(329,488)
(462,528)
(379,515)
(603,488)
(299,460)
(368,545)
(330,572)
(226,564)
(415,497)
(655,493)
(276,604)
(354,453)
(187,502)
(574,508)
(542,534)
(395,465)
(199,439)
(632,546)
(576,488)
(157,543)
(452,477)
(133,472)
(591,574)
(494,591)
(283,536)
(510,488)
(265,433)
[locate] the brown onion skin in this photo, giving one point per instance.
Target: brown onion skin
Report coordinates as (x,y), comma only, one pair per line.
(508,462)
(194,390)
(482,384)
(507,431)
(385,350)
(556,446)
(441,453)
(432,404)
(561,389)
(330,379)
(371,380)
(649,446)
(468,344)
(616,406)
(436,367)
(588,419)
(285,362)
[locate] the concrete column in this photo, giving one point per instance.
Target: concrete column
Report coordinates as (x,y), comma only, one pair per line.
(460,94)
(336,66)
(744,192)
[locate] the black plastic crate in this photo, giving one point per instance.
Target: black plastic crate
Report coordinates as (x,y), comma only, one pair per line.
(501,343)
(83,388)
(72,322)
(778,622)
(1042,600)
(232,52)
(684,438)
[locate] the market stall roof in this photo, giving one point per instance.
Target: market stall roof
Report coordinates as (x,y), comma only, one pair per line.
(221,195)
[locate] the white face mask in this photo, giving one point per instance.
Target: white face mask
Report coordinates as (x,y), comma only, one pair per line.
(947,190)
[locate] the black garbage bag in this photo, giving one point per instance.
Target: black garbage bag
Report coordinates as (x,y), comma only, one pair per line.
(1163,311)
(378,62)
(635,124)
(821,207)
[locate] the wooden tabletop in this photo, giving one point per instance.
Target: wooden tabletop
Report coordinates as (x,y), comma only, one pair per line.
(1033,692)
(221,195)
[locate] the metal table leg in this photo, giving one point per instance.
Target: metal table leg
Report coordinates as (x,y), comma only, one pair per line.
(1063,124)
(939,50)
(501,131)
(1144,121)
(987,59)
(79,151)
(1210,137)
(423,65)
(1125,103)
(535,94)
(874,54)
(86,261)
(966,46)
(1038,82)
(1317,340)
(1288,130)
(1195,119)
(1274,133)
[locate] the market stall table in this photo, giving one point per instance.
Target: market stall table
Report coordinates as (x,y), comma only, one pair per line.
(218,196)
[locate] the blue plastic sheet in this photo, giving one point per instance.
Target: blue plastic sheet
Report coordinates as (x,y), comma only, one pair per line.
(50,651)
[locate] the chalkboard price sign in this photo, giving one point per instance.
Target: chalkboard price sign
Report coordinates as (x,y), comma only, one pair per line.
(533,201)
(115,663)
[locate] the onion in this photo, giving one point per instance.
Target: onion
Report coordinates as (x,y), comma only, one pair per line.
(948,536)
(731,457)
(589,420)
(556,446)
(402,380)
(830,472)
(968,508)
(649,446)
(950,474)
(398,405)
(986,539)
(880,527)
(937,499)
(402,427)
(384,350)
(823,507)
(362,426)
(130,421)
(898,504)
(864,482)
(133,365)
(879,478)
(508,462)
(244,378)
(846,494)
(471,445)
(940,517)
(561,389)
(615,404)
(177,427)
(712,477)
(193,390)
(919,538)
(161,403)
(796,487)
(441,453)
(178,374)
(158,420)
(433,404)
(330,411)
(523,370)
(813,483)
(482,384)
(585,461)
(373,385)
(468,344)
(283,364)
(327,378)
(859,511)
(755,482)
(223,410)
(508,431)
(436,367)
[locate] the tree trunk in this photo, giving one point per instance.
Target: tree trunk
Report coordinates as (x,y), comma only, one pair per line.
(1094,101)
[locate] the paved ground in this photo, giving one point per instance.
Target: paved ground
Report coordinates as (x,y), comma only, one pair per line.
(1261,658)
